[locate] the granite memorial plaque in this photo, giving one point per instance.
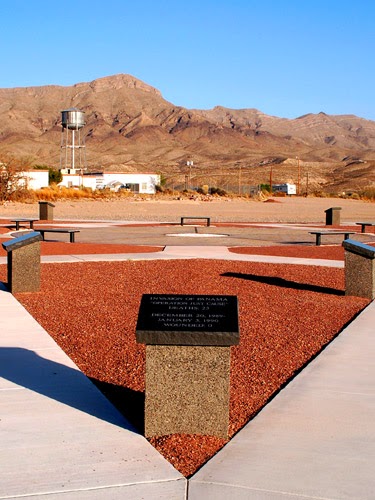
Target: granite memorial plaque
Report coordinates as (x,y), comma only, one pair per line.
(188,320)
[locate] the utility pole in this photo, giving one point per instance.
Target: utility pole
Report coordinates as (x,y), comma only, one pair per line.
(189,164)
(271,180)
(299,177)
(307,183)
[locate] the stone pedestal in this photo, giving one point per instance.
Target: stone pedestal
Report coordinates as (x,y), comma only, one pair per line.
(359,269)
(24,263)
(46,210)
(187,390)
(333,216)
(188,341)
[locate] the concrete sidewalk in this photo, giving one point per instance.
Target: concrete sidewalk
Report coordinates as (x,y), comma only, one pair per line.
(187,252)
(61,439)
(315,439)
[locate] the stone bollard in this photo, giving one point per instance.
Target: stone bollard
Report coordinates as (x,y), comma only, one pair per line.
(359,269)
(46,210)
(23,260)
(188,339)
(333,216)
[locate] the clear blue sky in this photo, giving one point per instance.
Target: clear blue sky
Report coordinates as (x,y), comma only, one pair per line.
(283,57)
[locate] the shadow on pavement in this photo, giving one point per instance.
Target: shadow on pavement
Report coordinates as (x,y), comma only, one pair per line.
(54,380)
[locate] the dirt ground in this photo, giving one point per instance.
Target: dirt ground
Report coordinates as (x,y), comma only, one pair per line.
(219,209)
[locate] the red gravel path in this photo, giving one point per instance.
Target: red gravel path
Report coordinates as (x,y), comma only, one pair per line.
(287,314)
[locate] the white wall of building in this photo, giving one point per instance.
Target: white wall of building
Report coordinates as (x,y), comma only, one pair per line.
(285,188)
(34,179)
(76,180)
(139,183)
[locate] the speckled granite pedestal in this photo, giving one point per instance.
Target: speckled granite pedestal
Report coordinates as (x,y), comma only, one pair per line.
(24,263)
(188,342)
(359,269)
(333,216)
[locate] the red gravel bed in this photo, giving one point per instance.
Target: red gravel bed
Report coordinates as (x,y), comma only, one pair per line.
(287,314)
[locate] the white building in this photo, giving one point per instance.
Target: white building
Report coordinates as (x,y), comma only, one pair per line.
(137,183)
(286,188)
(33,179)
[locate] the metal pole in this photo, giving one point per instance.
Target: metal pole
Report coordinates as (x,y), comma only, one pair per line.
(307,183)
(73,149)
(271,180)
(299,177)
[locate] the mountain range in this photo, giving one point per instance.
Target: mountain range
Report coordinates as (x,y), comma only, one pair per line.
(130,127)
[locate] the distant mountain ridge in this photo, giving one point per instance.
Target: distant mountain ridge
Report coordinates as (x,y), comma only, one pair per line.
(130,126)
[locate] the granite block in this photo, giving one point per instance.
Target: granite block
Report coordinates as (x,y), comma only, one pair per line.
(187,390)
(24,268)
(46,210)
(333,216)
(359,275)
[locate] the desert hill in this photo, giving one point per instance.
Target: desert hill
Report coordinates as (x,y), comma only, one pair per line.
(130,127)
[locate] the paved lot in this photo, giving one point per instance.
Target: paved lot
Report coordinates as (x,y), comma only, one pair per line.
(215,235)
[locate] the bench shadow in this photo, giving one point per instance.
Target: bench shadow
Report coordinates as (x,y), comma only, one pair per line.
(70,386)
(281,282)
(298,243)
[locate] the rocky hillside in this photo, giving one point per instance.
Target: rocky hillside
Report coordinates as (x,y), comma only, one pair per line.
(130,127)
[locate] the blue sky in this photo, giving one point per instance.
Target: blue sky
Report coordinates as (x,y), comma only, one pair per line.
(283,57)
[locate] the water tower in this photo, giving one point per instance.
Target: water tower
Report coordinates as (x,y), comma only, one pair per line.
(72,152)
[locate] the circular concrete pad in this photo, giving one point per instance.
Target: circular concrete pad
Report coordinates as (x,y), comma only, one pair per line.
(198,235)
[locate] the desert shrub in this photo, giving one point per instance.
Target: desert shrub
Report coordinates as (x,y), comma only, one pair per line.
(23,196)
(355,196)
(318,193)
(54,175)
(368,193)
(11,174)
(218,191)
(168,191)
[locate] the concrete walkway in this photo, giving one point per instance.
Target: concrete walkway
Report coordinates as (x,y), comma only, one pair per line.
(61,439)
(315,439)
(187,252)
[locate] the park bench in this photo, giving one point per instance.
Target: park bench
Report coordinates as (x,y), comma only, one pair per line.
(319,235)
(207,219)
(364,224)
(19,221)
(71,232)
